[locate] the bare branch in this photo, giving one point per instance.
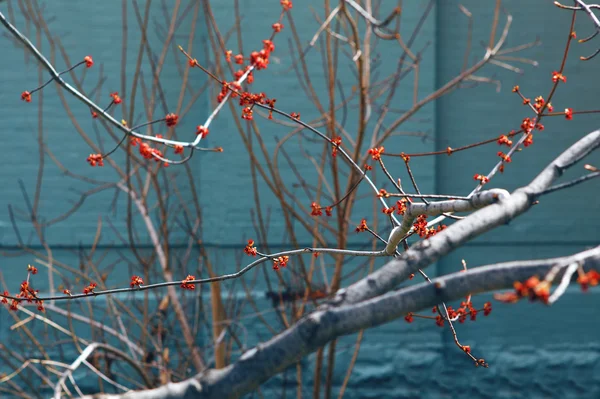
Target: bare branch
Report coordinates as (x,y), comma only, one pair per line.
(87,353)
(588,10)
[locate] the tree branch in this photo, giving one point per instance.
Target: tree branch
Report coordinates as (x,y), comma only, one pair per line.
(423,254)
(413,210)
(316,329)
(180,313)
(87,352)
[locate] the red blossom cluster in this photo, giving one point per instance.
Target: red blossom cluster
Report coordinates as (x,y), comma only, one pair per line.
(375,153)
(401,206)
(362,227)
(26,293)
(487,308)
(202,131)
(186,285)
(591,278)
(439,321)
(527,125)
(504,157)
(317,210)
(336,141)
(504,140)
(260,59)
(235,87)
(388,210)
(147,151)
(26,96)
(383,193)
(136,281)
(420,226)
(286,4)
(95,159)
(482,179)
(237,76)
(268,45)
(89,62)
(569,113)
(171,119)
(89,289)
(539,104)
(249,99)
(270,103)
(247,114)
(532,288)
(239,59)
(465,310)
(557,76)
(115,98)
(250,250)
(280,261)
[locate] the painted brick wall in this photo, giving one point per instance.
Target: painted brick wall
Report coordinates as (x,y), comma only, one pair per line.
(534,352)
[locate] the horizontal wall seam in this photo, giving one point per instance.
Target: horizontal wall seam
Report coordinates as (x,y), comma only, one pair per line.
(281,247)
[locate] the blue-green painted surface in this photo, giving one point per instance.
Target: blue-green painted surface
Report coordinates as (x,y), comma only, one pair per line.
(535,352)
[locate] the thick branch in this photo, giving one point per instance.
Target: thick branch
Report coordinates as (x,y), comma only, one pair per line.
(423,254)
(315,330)
(413,210)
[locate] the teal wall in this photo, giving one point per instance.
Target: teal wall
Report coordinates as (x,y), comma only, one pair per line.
(534,351)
